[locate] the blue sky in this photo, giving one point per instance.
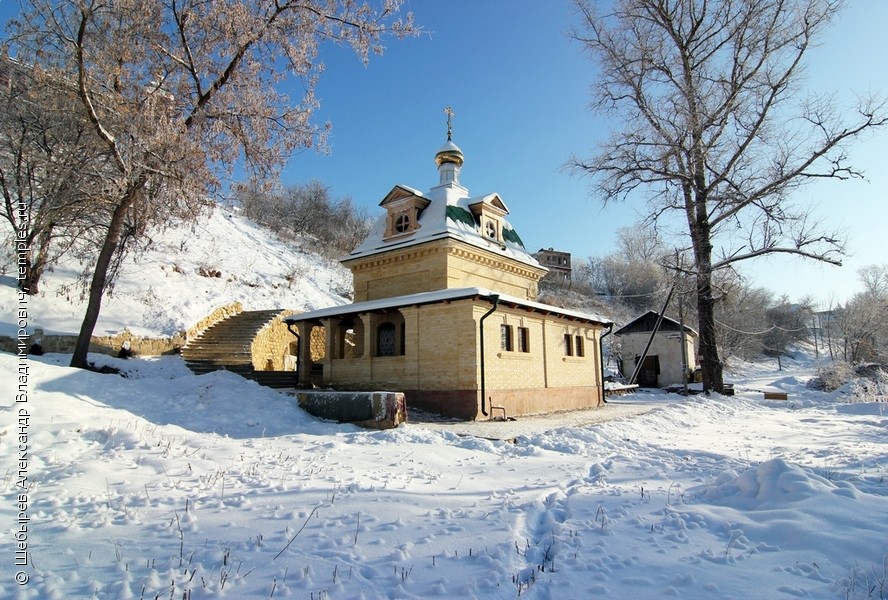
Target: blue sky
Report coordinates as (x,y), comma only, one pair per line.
(520,89)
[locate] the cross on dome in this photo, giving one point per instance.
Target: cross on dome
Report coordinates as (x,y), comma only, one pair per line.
(449,158)
(450,115)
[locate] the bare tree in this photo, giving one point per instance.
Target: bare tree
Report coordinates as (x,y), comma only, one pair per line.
(862,323)
(50,170)
(703,90)
(641,244)
(353,224)
(179,92)
(638,285)
(875,280)
(740,317)
(308,207)
(634,275)
(787,323)
(308,213)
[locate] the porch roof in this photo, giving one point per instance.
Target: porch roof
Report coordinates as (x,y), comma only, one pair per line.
(448,295)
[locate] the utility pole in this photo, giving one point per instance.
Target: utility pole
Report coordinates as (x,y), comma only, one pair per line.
(684,345)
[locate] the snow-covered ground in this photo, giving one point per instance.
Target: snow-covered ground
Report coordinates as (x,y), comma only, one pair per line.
(163,484)
(166,485)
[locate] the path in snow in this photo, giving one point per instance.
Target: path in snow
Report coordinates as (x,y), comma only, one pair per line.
(624,407)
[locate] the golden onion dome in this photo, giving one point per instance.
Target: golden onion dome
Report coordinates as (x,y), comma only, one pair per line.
(449,153)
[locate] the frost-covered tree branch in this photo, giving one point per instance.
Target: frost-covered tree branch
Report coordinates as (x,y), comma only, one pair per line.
(183,92)
(712,125)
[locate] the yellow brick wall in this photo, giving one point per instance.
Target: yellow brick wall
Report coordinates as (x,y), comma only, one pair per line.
(468,267)
(441,355)
(318,343)
(398,273)
(567,370)
(351,374)
(513,369)
(399,284)
(546,365)
(442,264)
(446,356)
(439,352)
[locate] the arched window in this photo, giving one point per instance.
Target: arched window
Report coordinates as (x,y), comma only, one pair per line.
(385,340)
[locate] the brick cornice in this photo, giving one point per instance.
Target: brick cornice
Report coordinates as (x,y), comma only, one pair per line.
(449,248)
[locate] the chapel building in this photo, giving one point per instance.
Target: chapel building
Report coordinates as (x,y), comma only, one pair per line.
(445,311)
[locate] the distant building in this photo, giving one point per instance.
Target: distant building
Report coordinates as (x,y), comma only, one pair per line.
(445,311)
(557,262)
(669,350)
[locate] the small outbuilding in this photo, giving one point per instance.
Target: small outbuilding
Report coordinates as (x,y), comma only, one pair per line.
(672,352)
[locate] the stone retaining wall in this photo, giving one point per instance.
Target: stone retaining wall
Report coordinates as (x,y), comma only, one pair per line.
(111,344)
(271,348)
(223,312)
(104,344)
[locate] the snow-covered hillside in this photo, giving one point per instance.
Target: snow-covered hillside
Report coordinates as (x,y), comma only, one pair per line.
(186,273)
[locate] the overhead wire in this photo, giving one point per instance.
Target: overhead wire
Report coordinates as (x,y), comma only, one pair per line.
(768,330)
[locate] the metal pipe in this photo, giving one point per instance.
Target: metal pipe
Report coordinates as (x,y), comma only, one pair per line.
(495,299)
(684,346)
(610,330)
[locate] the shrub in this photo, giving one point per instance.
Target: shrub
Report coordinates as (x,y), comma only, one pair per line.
(833,376)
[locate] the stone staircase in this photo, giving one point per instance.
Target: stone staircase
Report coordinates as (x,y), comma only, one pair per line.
(227,345)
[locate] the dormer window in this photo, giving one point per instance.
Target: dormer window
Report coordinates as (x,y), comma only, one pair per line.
(489,213)
(402,220)
(404,207)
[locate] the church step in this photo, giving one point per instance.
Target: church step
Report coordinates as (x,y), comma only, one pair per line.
(244,359)
(205,367)
(274,379)
(215,352)
(217,349)
(227,345)
(220,359)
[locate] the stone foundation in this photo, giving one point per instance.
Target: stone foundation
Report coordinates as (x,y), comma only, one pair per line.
(466,404)
(376,410)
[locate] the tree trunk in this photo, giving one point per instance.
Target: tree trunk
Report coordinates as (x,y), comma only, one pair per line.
(30,284)
(35,266)
(100,278)
(711,367)
(27,283)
